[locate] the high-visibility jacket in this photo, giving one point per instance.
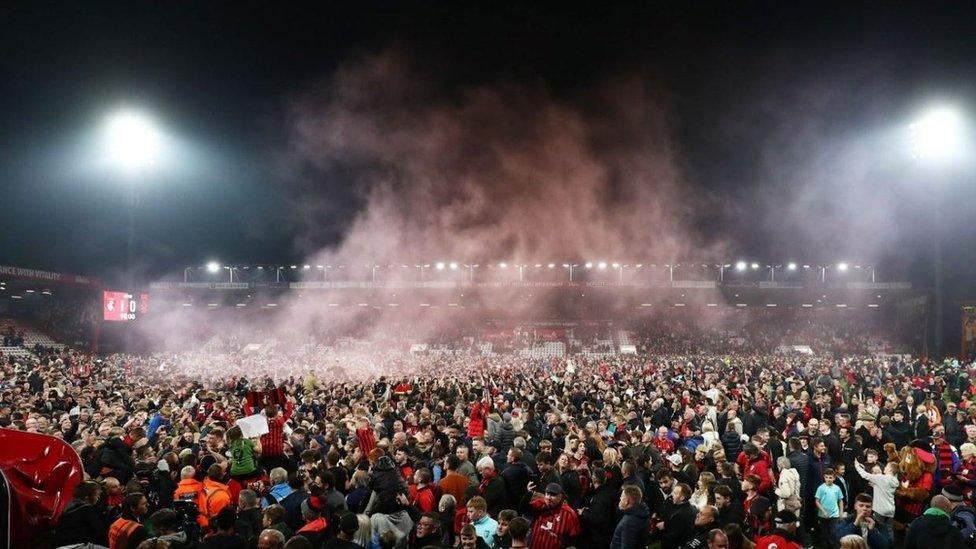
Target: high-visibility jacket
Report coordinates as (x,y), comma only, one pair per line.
(190,489)
(216,497)
(120,531)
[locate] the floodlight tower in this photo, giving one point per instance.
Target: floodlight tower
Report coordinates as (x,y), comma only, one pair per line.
(132,142)
(937,139)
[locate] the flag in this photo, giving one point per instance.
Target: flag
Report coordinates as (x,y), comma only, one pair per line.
(259,399)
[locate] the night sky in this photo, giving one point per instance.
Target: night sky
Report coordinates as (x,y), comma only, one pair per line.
(756,96)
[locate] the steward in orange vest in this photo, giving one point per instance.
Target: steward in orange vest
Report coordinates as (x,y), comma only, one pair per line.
(127,532)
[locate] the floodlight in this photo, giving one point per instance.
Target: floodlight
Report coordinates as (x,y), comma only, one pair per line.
(552,265)
(938,134)
(602,265)
(503,265)
(213,267)
(589,265)
(842,266)
(131,140)
(454,266)
(439,266)
(791,266)
(740,265)
(754,266)
(616,265)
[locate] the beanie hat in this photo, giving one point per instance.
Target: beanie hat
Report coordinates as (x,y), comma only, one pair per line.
(312,505)
(952,493)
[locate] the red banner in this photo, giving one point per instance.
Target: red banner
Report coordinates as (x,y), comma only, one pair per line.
(257,399)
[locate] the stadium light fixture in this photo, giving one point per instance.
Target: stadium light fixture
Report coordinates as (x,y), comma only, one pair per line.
(842,266)
(132,140)
(602,265)
(791,266)
(213,267)
(740,265)
(439,266)
(937,134)
(454,266)
(552,265)
(503,265)
(616,265)
(754,266)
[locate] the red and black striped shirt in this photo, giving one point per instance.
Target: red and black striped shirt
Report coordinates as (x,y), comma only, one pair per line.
(552,528)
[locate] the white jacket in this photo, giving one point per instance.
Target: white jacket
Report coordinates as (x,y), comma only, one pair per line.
(788,488)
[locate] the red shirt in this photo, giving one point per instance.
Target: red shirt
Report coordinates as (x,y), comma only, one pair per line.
(761,469)
(367,440)
(423,499)
(552,528)
(777,541)
(664,445)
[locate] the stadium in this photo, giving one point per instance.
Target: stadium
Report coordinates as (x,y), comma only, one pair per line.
(422,276)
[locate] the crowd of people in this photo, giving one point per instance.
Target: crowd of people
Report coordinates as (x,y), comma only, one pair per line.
(686,449)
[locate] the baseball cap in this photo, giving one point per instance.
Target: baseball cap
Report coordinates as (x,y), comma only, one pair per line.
(554,488)
(786,517)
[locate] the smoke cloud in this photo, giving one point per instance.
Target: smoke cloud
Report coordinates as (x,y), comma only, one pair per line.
(490,173)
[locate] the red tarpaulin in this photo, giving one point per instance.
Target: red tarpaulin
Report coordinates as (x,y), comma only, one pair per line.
(41,473)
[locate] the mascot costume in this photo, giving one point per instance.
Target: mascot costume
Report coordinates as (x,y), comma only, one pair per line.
(916,466)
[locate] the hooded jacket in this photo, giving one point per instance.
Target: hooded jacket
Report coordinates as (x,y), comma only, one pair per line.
(385,480)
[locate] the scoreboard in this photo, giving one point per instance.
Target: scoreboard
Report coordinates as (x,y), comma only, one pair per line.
(123,307)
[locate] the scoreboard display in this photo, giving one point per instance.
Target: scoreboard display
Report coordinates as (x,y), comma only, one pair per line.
(123,307)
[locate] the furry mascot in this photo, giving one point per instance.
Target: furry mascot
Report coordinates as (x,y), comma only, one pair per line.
(916,465)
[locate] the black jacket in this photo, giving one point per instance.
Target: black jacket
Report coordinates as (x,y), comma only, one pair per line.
(570,483)
(249,525)
(631,531)
(732,443)
(933,531)
(516,477)
(385,480)
(599,517)
(115,455)
(679,526)
(80,523)
(504,437)
(730,514)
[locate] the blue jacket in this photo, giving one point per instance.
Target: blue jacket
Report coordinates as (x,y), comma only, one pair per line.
(279,492)
(155,423)
(631,531)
